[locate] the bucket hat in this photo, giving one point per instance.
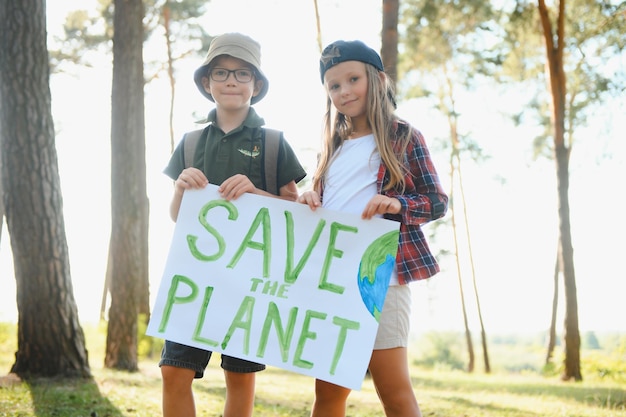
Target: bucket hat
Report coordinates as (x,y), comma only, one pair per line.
(341,51)
(239,46)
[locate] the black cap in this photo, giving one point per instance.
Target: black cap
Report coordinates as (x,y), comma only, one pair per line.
(341,51)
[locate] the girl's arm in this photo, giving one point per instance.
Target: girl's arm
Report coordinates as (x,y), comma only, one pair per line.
(311,198)
(381,204)
(424,198)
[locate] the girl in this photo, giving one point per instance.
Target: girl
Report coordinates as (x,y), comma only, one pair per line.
(375,164)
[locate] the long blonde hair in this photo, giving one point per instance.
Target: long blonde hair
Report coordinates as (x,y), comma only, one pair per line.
(382,120)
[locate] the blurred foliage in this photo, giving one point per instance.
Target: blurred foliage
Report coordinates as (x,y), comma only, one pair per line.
(88,34)
(148,347)
(603,354)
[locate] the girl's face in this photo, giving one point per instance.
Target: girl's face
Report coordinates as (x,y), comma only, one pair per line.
(346,84)
(238,87)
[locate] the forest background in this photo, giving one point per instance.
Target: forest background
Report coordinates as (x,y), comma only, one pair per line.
(510,196)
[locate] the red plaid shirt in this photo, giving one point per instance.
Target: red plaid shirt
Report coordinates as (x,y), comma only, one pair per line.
(423,190)
(423,200)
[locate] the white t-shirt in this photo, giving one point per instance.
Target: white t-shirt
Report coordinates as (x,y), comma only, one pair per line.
(350,182)
(351,178)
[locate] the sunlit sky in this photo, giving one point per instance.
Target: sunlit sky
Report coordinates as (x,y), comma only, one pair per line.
(511,197)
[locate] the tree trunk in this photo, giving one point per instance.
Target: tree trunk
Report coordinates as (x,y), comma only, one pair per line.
(571,362)
(483,333)
(468,333)
(1,193)
(555,304)
(555,44)
(318,26)
(389,50)
(166,13)
(107,286)
(447,105)
(129,202)
(50,339)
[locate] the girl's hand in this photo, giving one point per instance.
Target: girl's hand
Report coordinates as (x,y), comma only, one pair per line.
(235,186)
(311,198)
(380,204)
(190,178)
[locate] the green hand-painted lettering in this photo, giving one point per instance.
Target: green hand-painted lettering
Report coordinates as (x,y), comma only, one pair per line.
(208,291)
(344,325)
(173,299)
(255,284)
(291,274)
(263,218)
(306,334)
(270,287)
(331,252)
(242,320)
(283,290)
(191,239)
(284,335)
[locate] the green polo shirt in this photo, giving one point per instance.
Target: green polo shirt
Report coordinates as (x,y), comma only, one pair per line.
(241,151)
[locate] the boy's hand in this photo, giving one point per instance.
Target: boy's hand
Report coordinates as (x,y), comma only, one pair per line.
(235,186)
(190,178)
(311,198)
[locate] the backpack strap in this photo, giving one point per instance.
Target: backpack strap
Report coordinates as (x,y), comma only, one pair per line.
(272,143)
(190,141)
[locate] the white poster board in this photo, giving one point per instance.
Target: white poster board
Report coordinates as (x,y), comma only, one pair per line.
(274,282)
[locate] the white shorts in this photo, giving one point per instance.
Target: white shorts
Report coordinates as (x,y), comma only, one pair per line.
(394,325)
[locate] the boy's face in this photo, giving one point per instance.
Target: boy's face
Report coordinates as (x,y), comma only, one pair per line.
(236,90)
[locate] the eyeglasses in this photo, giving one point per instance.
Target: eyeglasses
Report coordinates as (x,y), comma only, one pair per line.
(242,75)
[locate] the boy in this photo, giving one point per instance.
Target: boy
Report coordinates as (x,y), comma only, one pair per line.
(229,153)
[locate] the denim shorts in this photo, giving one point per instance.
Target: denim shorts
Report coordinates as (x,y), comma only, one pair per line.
(188,357)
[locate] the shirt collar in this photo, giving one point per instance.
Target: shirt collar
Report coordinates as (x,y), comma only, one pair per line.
(252,120)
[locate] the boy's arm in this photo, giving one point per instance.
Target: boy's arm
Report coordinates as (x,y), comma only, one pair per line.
(175,203)
(190,178)
(289,191)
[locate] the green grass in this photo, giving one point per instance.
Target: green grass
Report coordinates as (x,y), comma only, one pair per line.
(441,392)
